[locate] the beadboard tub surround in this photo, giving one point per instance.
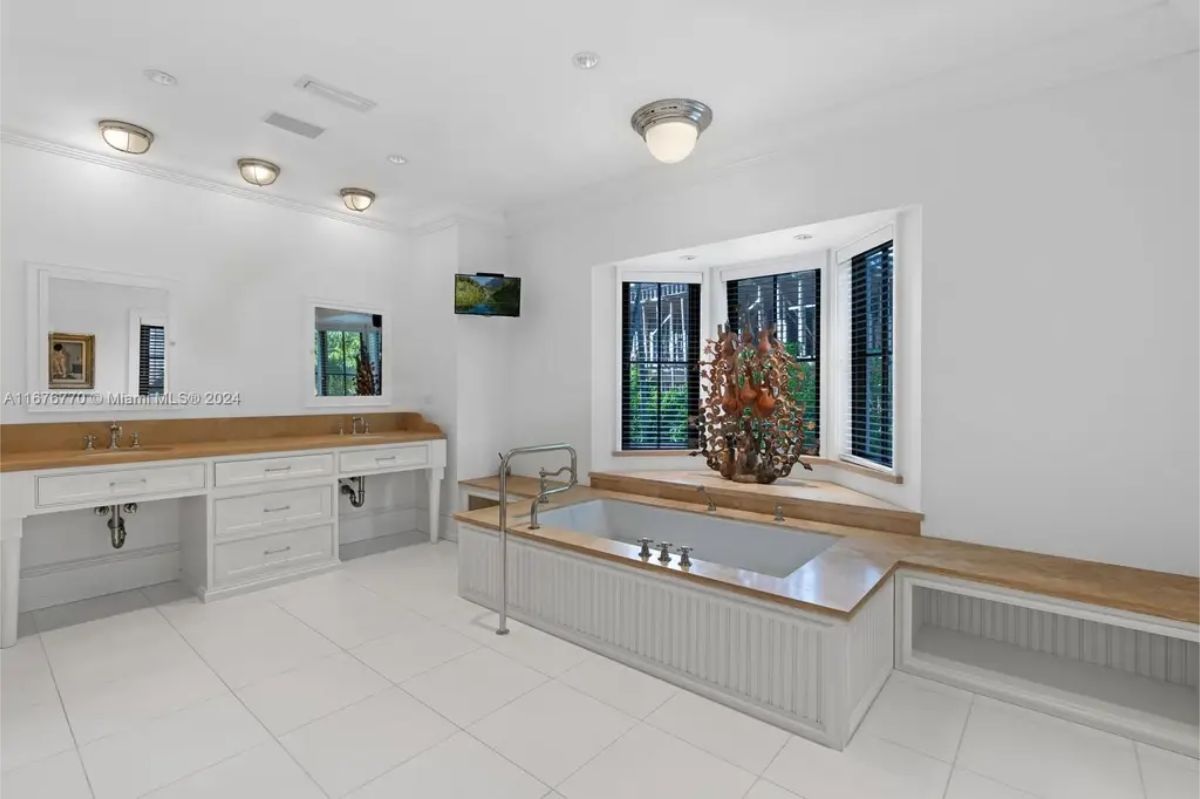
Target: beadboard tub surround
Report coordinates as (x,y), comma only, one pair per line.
(809,673)
(257,497)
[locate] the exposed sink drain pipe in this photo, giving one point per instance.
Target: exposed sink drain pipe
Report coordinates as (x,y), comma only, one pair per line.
(359,496)
(116,522)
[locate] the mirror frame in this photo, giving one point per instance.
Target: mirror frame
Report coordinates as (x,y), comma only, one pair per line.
(309,317)
(37,333)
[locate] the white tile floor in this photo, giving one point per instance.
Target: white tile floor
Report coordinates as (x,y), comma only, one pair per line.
(378,681)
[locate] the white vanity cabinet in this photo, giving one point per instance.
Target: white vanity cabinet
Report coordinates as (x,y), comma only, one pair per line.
(248,521)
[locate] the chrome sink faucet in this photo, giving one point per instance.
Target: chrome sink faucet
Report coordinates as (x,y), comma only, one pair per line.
(712,506)
(354,422)
(114,435)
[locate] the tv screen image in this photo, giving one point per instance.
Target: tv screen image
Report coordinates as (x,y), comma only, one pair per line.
(487,295)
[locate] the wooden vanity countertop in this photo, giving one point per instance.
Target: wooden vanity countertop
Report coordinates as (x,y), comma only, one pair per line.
(59,445)
(840,579)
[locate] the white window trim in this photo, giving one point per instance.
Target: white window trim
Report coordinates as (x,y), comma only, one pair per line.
(137,318)
(839,429)
(630,274)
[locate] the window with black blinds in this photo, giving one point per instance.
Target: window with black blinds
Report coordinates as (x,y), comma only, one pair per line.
(660,377)
(349,363)
(151,361)
(792,303)
(871,364)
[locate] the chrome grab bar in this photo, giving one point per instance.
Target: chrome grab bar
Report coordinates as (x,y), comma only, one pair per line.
(502,626)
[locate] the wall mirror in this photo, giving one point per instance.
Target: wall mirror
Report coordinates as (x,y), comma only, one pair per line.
(97,339)
(348,355)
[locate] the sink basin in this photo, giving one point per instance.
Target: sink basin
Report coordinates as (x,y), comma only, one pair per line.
(142,448)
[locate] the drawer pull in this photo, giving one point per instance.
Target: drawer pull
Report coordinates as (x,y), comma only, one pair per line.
(276,551)
(115,483)
(382,459)
(287,468)
(277,510)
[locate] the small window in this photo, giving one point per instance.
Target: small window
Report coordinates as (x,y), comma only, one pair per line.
(349,350)
(792,303)
(151,360)
(871,362)
(660,378)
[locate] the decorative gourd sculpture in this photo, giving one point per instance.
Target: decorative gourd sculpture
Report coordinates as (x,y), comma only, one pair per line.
(751,426)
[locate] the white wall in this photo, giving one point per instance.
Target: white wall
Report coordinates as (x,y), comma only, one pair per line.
(458,365)
(1058,319)
(244,269)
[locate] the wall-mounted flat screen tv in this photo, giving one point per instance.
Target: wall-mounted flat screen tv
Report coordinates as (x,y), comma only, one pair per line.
(487,295)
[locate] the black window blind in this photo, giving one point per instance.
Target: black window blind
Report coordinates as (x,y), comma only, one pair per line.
(792,303)
(871,365)
(338,355)
(660,378)
(151,361)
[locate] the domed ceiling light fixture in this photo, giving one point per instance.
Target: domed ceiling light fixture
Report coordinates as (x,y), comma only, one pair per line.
(257,171)
(126,137)
(357,199)
(670,128)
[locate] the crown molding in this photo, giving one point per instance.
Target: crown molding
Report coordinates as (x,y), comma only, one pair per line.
(184,179)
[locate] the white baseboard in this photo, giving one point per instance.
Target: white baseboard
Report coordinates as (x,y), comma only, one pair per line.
(73,580)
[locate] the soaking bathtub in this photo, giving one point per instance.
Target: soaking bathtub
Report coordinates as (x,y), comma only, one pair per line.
(579,577)
(761,548)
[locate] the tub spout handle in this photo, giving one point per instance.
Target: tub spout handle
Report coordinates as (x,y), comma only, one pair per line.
(646,543)
(664,552)
(685,556)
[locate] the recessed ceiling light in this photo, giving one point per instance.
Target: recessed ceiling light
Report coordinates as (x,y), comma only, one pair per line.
(688,257)
(160,77)
(670,128)
(802,236)
(397,159)
(258,172)
(357,199)
(585,59)
(126,137)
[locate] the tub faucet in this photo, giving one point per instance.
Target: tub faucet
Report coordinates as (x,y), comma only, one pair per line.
(712,506)
(664,552)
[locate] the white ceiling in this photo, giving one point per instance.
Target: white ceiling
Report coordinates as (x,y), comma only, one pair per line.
(829,235)
(479,95)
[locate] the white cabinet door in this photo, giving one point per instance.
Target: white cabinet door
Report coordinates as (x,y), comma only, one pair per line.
(236,517)
(114,485)
(239,561)
(263,470)
(383,459)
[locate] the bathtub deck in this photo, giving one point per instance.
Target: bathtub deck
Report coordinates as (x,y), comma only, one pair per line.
(843,577)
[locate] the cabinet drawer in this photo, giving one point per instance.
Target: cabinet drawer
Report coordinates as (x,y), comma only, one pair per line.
(237,561)
(360,461)
(261,470)
(257,513)
(105,486)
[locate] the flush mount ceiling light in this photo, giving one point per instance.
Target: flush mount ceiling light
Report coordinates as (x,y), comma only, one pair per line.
(357,199)
(160,77)
(397,159)
(670,128)
(257,171)
(585,60)
(126,137)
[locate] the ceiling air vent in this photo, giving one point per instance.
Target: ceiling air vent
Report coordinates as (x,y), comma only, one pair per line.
(293,125)
(335,95)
